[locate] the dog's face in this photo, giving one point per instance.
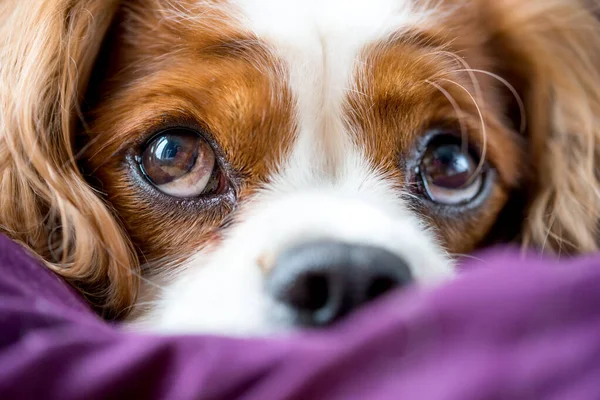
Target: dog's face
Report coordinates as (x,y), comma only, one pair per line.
(276,164)
(283,162)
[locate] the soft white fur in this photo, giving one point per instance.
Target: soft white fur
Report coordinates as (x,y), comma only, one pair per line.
(326,189)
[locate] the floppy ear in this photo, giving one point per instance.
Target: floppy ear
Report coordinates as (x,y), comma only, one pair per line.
(48,51)
(551,51)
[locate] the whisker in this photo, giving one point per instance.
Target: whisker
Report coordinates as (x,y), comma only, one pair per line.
(509,86)
(549,232)
(483,128)
(467,256)
(457,110)
(467,68)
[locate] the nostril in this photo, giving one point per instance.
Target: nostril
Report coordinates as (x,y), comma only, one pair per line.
(311,291)
(318,283)
(380,285)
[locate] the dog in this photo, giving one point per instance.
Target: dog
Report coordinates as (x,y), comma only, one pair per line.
(251,167)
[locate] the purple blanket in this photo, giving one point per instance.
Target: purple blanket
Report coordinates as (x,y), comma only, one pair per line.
(510,329)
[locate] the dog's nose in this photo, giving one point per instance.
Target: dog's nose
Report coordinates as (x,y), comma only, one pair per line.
(322,281)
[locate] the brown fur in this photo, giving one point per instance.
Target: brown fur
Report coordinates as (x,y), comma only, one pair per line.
(394,110)
(211,76)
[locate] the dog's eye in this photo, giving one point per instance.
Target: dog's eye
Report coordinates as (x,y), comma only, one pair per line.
(180,163)
(450,173)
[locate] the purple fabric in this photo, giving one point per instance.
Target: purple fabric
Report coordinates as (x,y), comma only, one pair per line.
(509,329)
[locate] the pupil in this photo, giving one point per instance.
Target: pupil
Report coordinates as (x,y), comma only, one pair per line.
(170,156)
(173,151)
(453,159)
(449,167)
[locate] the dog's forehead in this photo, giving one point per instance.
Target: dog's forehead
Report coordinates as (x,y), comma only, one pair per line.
(320,27)
(322,44)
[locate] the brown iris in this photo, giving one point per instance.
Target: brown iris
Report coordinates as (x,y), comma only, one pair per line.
(450,174)
(180,163)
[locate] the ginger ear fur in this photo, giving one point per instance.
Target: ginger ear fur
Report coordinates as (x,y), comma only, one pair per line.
(47,52)
(553,49)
